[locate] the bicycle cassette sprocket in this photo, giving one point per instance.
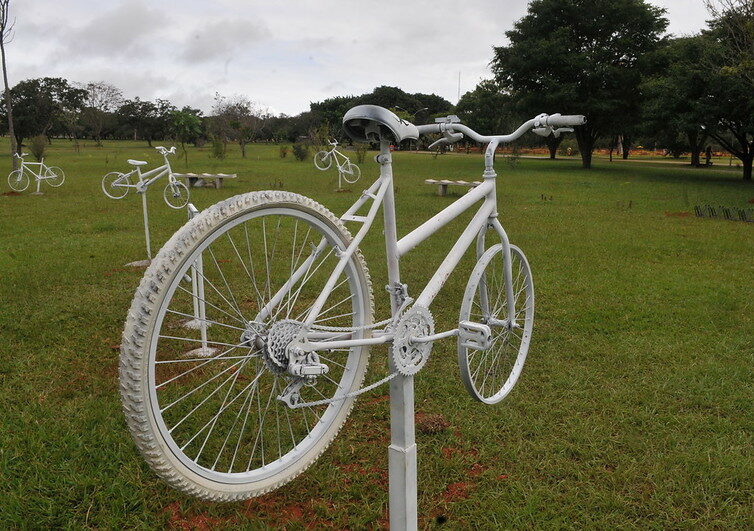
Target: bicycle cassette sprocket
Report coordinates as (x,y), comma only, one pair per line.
(409,357)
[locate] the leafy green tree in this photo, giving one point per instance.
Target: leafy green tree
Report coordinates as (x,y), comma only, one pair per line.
(102,99)
(729,103)
(40,106)
(148,120)
(187,127)
(581,57)
(675,95)
(238,119)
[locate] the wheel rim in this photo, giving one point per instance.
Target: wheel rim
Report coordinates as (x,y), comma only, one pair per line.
(270,442)
(18,180)
(176,195)
(322,160)
(54,176)
(489,375)
(351,173)
(113,190)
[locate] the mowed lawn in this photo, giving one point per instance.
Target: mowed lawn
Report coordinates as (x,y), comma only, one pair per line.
(634,409)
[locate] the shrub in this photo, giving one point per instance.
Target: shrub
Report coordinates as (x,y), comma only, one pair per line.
(361,152)
(283,152)
(37,146)
(218,148)
(300,151)
(568,148)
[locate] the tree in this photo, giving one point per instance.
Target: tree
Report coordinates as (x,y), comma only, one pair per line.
(675,95)
(187,127)
(40,106)
(238,119)
(734,20)
(486,109)
(6,36)
(581,57)
(101,100)
(146,119)
(729,104)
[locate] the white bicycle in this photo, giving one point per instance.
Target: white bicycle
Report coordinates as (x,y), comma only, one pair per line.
(116,184)
(287,307)
(19,179)
(349,171)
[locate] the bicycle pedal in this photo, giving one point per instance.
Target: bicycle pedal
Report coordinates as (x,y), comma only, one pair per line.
(476,336)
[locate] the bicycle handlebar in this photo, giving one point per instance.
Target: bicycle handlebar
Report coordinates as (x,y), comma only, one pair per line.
(165,151)
(454,131)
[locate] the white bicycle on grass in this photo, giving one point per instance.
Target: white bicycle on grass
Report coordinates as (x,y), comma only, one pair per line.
(19,179)
(288,313)
(116,184)
(349,171)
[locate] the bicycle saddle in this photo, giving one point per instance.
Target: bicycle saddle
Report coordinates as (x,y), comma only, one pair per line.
(372,123)
(133,162)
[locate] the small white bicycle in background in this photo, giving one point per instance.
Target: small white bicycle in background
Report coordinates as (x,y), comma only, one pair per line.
(19,179)
(287,311)
(116,184)
(349,171)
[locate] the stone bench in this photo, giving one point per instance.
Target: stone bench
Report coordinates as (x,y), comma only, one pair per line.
(442,185)
(197,180)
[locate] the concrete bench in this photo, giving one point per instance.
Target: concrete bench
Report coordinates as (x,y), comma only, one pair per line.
(442,185)
(197,180)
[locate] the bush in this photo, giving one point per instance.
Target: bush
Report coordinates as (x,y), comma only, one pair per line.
(283,152)
(218,148)
(568,148)
(37,146)
(300,151)
(361,152)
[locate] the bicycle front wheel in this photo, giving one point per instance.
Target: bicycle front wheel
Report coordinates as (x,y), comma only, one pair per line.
(351,172)
(176,195)
(489,375)
(204,409)
(322,160)
(54,176)
(18,180)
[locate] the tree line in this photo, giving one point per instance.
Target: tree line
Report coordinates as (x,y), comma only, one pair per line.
(610,60)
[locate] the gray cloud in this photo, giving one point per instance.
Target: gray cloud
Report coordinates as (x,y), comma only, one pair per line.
(221,39)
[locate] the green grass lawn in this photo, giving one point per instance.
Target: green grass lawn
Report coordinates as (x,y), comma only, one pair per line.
(634,409)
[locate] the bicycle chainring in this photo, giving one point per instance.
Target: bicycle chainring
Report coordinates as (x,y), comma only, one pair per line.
(410,357)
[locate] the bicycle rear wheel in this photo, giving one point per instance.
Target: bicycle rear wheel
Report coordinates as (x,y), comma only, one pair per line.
(351,172)
(489,375)
(18,180)
(204,411)
(115,185)
(54,176)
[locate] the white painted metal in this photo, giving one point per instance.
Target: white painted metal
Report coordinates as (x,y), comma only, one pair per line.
(19,179)
(294,345)
(347,170)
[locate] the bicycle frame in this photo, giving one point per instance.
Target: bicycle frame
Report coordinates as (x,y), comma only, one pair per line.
(381,193)
(42,168)
(158,172)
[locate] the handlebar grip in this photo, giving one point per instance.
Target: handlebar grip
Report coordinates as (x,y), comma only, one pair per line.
(569,120)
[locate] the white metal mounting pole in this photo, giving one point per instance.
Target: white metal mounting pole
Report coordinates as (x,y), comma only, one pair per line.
(197,290)
(402,449)
(146,223)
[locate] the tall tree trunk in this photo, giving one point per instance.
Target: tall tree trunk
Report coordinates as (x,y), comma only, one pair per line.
(585,138)
(552,144)
(626,146)
(747,162)
(696,142)
(14,145)
(243,149)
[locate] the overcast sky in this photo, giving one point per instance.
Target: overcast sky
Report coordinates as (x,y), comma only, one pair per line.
(283,55)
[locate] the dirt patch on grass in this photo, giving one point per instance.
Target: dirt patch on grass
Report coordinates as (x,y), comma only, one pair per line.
(11,193)
(677,214)
(178,520)
(431,423)
(457,491)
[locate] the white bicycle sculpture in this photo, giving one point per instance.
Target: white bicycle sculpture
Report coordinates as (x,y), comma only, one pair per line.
(116,185)
(289,310)
(19,179)
(349,171)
